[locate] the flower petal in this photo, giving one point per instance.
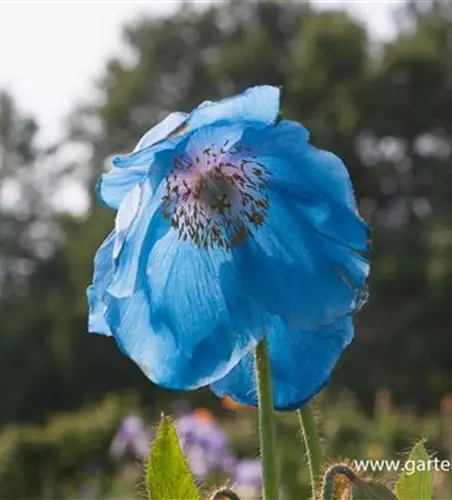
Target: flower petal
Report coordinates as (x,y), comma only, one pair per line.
(125,217)
(112,187)
(297,273)
(257,104)
(162,130)
(301,364)
(103,273)
(303,262)
(187,322)
(128,170)
(139,225)
(313,181)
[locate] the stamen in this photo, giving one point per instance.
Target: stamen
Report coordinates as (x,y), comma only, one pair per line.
(216,198)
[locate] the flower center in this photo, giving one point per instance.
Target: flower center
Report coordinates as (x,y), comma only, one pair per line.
(216,198)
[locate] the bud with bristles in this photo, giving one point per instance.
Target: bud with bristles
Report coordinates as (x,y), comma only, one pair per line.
(224,494)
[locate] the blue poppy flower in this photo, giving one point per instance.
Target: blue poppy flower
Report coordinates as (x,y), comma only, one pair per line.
(230,227)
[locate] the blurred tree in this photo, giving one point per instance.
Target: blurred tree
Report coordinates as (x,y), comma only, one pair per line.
(24,214)
(28,237)
(405,145)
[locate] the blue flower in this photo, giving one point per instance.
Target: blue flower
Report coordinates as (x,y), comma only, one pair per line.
(230,227)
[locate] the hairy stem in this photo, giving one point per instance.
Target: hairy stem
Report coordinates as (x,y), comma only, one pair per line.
(266,422)
(312,445)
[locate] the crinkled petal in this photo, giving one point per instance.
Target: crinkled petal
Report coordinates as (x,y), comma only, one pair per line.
(215,139)
(187,322)
(139,225)
(127,212)
(314,181)
(301,364)
(297,273)
(112,187)
(304,263)
(103,273)
(259,104)
(129,170)
(162,130)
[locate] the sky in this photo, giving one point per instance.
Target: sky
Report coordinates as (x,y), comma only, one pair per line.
(52,52)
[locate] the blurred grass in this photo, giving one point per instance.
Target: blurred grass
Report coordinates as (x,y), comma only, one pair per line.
(67,456)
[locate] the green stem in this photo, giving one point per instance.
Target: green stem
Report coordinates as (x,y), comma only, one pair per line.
(312,444)
(266,422)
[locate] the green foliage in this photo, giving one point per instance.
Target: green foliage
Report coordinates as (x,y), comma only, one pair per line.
(70,451)
(53,460)
(416,485)
(168,475)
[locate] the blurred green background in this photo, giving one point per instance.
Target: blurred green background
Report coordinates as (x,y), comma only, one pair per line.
(384,107)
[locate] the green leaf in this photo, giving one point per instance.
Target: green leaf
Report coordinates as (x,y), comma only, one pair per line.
(416,482)
(370,490)
(168,476)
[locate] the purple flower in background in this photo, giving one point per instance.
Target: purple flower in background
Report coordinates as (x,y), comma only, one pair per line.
(248,478)
(204,443)
(131,439)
